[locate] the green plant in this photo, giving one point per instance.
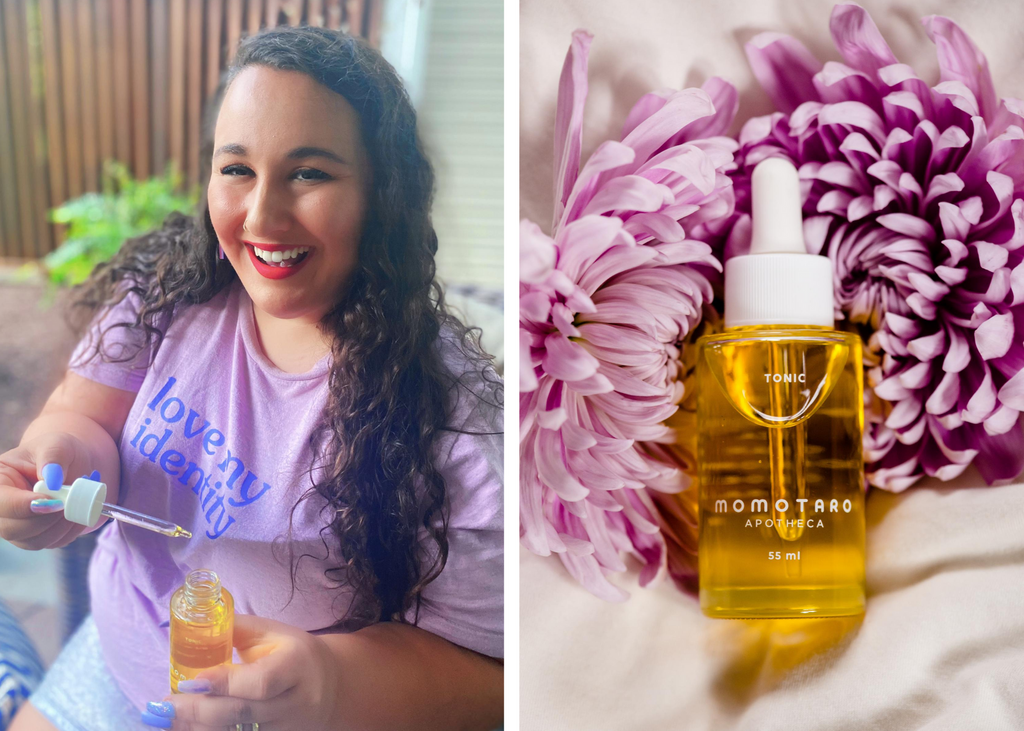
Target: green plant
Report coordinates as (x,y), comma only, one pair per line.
(98,223)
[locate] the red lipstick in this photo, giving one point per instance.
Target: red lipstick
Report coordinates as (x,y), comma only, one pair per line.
(275,272)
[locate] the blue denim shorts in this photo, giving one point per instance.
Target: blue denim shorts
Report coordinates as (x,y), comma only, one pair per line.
(79,693)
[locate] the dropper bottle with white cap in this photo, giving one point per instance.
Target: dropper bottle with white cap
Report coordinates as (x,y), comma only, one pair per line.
(780,423)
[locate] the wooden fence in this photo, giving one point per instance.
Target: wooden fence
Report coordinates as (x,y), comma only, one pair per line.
(86,81)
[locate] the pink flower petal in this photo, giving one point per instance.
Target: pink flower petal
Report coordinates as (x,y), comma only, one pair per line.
(577,438)
(644,226)
(945,395)
(1001,457)
(630,385)
(857,142)
(942,185)
(726,101)
(572,96)
(566,360)
(958,356)
(898,103)
(536,253)
(1011,112)
(921,306)
(1017,283)
(593,385)
(913,434)
(576,546)
(954,225)
(994,336)
(552,419)
(609,155)
(917,376)
(927,286)
(527,376)
(983,403)
(681,109)
(908,225)
(838,82)
(950,443)
(1002,420)
(563,319)
(645,108)
(903,327)
(587,571)
(687,161)
(971,209)
(950,275)
(859,207)
(784,68)
(904,413)
(585,240)
(929,346)
(535,306)
(883,196)
(858,40)
(552,469)
(888,171)
(991,257)
(856,115)
(961,60)
(628,193)
(892,389)
(909,185)
(1017,239)
(1012,392)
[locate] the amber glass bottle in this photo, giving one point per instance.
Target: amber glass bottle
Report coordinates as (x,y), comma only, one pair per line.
(202,622)
(781,473)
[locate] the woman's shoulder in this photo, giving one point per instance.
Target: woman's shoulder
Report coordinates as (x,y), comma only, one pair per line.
(477,390)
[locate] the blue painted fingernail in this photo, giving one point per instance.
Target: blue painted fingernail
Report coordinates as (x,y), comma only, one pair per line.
(155,721)
(45,506)
(164,709)
(95,476)
(53,476)
(195,686)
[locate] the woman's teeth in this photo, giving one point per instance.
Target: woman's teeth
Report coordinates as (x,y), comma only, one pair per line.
(282,258)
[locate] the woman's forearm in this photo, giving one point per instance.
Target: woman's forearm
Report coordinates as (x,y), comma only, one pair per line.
(394,677)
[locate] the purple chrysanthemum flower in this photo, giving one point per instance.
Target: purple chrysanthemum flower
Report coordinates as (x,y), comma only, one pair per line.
(917,195)
(605,303)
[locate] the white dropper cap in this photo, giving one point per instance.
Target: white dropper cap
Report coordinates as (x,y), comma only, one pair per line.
(83,499)
(778,283)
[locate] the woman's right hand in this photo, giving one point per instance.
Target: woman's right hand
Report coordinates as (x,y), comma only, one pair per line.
(20,469)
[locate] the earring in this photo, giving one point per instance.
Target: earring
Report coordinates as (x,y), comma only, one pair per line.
(221,249)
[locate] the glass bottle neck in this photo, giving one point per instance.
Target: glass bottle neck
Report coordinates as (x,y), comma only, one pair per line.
(202,588)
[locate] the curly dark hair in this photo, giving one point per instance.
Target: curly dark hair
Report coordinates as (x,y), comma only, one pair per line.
(391,393)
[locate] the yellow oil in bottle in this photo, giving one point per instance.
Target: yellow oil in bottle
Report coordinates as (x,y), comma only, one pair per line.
(202,622)
(781,504)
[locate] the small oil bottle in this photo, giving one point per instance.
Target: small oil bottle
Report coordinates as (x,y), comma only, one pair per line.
(780,421)
(202,621)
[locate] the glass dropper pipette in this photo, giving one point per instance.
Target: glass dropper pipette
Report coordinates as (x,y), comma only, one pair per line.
(144,521)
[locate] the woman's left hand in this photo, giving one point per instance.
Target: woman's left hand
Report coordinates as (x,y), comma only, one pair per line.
(288,681)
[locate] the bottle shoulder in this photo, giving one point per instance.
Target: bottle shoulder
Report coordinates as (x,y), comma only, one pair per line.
(781,333)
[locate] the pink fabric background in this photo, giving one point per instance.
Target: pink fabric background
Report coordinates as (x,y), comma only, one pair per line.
(942,643)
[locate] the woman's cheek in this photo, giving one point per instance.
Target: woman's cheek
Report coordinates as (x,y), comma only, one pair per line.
(227,213)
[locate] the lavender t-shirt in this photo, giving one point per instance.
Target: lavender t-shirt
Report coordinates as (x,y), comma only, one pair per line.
(217,442)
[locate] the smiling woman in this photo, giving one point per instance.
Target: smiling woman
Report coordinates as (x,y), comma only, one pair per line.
(352,498)
(289,170)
